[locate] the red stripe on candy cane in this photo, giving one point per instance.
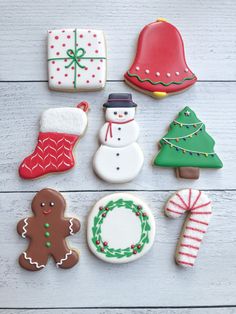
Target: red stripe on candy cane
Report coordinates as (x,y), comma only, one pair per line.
(190,246)
(184,263)
(195,229)
(187,254)
(182,200)
(201,206)
(189,198)
(192,238)
(176,204)
(173,211)
(202,213)
(197,198)
(198,221)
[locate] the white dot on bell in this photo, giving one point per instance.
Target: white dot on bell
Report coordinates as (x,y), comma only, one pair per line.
(137,68)
(147,71)
(177,73)
(186,70)
(157,73)
(168,74)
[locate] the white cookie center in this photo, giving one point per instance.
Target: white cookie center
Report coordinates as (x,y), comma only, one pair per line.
(121,228)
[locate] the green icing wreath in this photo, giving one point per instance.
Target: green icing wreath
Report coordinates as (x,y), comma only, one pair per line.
(103,247)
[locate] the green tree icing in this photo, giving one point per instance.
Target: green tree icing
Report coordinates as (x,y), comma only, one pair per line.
(187,144)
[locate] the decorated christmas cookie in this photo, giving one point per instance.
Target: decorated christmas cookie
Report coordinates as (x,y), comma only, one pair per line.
(198,208)
(119,159)
(159,68)
(187,147)
(60,129)
(121,228)
(47,231)
(76,60)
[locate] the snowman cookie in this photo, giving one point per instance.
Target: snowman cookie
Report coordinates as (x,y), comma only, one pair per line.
(119,159)
(121,228)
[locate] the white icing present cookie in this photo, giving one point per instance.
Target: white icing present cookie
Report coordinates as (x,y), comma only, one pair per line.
(121,228)
(119,159)
(198,206)
(76,60)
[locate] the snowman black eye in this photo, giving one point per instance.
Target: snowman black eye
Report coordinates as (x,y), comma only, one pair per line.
(42,204)
(52,204)
(126,113)
(115,112)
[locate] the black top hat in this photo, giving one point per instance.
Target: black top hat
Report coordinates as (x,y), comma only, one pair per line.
(119,100)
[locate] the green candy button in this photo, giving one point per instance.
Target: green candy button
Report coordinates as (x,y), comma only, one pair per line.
(47,234)
(46,225)
(48,244)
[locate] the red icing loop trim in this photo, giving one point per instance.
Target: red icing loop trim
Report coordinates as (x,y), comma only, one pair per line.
(83,105)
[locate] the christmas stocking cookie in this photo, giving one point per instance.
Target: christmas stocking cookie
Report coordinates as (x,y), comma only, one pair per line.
(159,68)
(60,129)
(47,231)
(187,147)
(121,228)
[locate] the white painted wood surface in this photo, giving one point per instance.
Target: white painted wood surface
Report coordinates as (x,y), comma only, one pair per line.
(209,32)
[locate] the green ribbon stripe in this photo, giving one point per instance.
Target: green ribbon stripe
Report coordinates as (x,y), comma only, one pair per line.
(75,56)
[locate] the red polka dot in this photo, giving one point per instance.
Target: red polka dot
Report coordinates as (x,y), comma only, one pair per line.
(89,44)
(96,51)
(100,81)
(68,36)
(52,77)
(78,75)
(93,75)
(72,68)
(51,46)
(63,45)
(65,60)
(94,35)
(101,60)
(63,31)
(65,74)
(98,68)
(59,83)
(50,32)
(56,37)
(91,60)
(57,53)
(73,82)
(81,36)
(53,62)
(87,81)
(58,69)
(86,68)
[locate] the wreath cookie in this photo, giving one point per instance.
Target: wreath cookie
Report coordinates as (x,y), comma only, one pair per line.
(121,228)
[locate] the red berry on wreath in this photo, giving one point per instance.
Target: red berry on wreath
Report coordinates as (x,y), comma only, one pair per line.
(97,242)
(139,246)
(105,243)
(137,214)
(100,208)
(132,246)
(107,208)
(104,215)
(139,207)
(102,249)
(134,252)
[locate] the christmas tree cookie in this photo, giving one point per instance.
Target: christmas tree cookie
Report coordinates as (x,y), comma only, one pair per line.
(187,147)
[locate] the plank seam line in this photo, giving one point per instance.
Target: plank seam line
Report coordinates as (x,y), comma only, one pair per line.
(121,307)
(111,81)
(116,190)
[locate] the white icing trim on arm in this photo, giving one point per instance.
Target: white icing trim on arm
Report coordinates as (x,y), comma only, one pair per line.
(70,227)
(24,228)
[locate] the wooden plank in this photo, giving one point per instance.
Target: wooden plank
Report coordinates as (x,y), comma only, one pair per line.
(154,280)
(24,102)
(208,31)
(124,311)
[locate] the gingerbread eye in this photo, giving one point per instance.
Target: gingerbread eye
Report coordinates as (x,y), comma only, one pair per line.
(115,112)
(126,113)
(42,204)
(52,204)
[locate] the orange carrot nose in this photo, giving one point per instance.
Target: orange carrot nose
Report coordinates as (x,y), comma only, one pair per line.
(120,115)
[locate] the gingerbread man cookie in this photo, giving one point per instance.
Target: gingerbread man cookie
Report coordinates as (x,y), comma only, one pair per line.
(47,231)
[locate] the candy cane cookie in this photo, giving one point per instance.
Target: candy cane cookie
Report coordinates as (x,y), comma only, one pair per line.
(198,206)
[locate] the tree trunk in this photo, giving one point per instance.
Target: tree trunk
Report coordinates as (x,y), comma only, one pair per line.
(188,172)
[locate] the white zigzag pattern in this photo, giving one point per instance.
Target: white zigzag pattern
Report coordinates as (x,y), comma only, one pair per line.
(31,261)
(64,259)
(70,227)
(24,228)
(42,149)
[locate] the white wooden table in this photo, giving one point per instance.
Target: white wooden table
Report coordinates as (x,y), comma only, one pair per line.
(154,284)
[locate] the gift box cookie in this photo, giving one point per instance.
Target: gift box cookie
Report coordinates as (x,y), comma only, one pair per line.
(76,60)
